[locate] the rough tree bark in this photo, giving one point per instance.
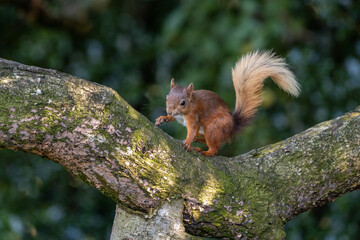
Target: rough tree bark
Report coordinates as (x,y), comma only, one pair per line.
(91,131)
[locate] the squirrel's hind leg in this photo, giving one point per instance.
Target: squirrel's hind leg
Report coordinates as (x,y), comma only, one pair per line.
(213,143)
(196,149)
(209,153)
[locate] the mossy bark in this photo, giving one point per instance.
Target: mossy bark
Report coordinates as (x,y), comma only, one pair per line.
(91,131)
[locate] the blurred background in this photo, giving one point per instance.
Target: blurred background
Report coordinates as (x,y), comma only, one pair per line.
(136,47)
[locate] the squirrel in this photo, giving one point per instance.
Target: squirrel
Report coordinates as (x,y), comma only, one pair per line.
(208,118)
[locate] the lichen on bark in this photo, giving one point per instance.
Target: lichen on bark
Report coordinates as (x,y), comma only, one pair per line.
(91,131)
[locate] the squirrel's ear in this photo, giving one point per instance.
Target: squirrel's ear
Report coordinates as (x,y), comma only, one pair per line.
(190,89)
(172,83)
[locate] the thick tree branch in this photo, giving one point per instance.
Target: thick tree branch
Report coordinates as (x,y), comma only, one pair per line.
(91,131)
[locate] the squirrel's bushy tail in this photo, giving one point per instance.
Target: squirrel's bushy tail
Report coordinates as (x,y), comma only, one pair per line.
(248,76)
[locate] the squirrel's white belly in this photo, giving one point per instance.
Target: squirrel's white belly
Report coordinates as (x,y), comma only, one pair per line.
(181,119)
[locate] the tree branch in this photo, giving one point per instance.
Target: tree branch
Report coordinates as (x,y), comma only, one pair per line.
(91,131)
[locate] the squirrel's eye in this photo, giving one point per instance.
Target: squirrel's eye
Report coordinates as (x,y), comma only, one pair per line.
(182,103)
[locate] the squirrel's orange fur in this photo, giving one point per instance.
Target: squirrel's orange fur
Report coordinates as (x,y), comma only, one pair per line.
(207,117)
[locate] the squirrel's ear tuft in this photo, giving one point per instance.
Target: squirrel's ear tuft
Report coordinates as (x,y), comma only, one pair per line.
(172,83)
(190,89)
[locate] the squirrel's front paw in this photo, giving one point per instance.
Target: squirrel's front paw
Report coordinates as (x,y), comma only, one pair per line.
(186,146)
(161,120)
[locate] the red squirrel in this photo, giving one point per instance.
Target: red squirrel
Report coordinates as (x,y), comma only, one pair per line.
(208,118)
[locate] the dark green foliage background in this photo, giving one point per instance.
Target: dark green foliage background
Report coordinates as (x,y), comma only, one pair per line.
(135,47)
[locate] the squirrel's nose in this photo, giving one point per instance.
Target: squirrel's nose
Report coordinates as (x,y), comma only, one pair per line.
(169,112)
